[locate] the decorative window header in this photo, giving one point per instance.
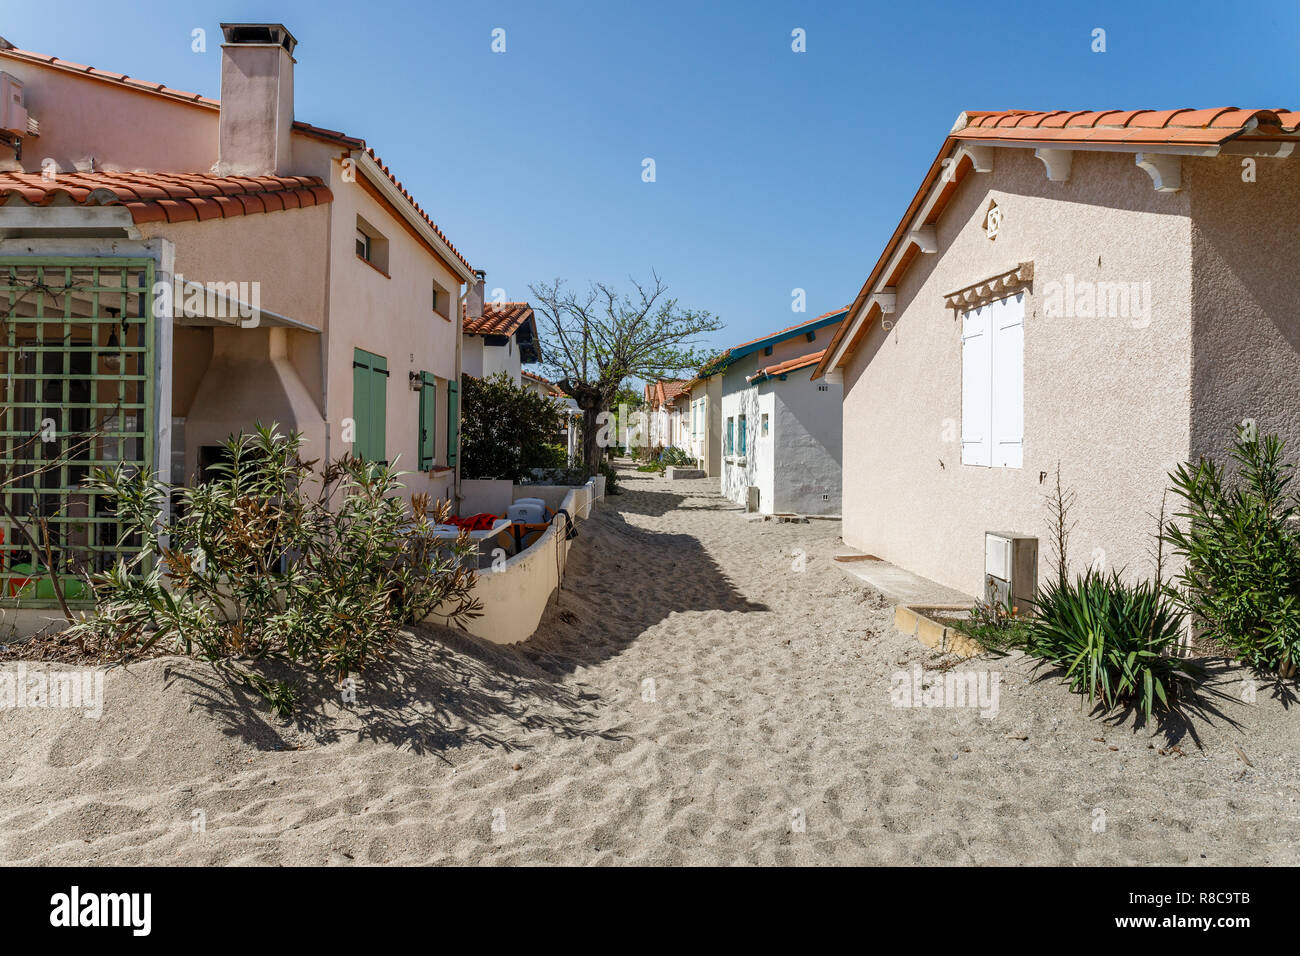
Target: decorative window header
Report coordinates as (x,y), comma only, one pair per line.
(991,289)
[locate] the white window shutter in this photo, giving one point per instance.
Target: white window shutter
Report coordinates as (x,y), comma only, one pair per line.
(976,384)
(1008,393)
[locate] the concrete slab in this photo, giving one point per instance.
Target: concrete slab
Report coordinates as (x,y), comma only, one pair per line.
(898,584)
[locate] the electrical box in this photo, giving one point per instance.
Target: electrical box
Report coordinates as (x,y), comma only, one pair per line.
(13,112)
(1010,570)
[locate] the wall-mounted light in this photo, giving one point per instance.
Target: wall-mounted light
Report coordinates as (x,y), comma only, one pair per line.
(112,358)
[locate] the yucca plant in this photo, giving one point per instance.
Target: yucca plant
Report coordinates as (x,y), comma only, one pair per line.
(1240,544)
(1118,642)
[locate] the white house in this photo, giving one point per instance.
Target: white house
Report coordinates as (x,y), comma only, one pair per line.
(497,336)
(782,440)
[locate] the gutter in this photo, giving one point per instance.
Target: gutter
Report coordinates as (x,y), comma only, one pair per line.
(402,205)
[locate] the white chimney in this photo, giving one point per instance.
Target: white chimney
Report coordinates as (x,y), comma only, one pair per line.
(256,100)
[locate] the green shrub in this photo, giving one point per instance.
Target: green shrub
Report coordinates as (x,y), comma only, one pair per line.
(506,431)
(554,456)
(1118,642)
(1240,545)
(270,559)
(677,457)
(611,478)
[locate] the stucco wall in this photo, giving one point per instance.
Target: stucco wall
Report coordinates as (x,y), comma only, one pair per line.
(808,438)
(391,316)
(83,118)
(1107,400)
(1245,314)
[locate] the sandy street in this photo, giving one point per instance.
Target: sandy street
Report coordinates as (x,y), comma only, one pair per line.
(705,690)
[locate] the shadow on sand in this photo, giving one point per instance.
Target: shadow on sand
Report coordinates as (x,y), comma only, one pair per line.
(440,689)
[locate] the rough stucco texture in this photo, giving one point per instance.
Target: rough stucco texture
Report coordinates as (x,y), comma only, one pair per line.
(1107,398)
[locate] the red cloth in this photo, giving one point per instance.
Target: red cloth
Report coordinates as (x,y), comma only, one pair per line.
(479,522)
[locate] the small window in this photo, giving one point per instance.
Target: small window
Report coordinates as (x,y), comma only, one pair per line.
(441,301)
(763,426)
(372,246)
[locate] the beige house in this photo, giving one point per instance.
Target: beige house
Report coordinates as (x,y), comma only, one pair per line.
(175,268)
(706,421)
(1113,292)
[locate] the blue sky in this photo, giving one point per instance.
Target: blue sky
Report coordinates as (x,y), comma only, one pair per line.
(775,170)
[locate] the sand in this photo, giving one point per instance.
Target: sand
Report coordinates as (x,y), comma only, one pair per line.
(770,737)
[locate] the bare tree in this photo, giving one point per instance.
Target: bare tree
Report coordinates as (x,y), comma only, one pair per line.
(593,341)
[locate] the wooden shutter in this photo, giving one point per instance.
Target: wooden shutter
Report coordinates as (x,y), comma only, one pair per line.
(370,405)
(976,387)
(741,431)
(428,420)
(453,422)
(360,404)
(1008,382)
(731,435)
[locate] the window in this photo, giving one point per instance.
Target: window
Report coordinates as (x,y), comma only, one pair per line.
(731,436)
(369,405)
(428,421)
(740,429)
(372,246)
(453,422)
(993,384)
(763,426)
(441,301)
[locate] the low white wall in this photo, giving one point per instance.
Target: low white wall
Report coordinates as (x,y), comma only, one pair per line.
(515,596)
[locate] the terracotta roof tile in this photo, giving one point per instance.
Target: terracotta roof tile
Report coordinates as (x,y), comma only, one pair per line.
(503,318)
(170,197)
(318,132)
(789,365)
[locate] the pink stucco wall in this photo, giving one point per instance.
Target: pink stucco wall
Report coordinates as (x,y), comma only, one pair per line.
(303,259)
(1108,401)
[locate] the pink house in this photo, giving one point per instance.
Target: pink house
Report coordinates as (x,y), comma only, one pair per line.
(174,268)
(1113,292)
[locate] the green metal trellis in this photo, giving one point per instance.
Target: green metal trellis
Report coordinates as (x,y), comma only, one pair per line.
(77,360)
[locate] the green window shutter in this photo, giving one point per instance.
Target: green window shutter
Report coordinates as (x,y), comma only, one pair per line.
(731,435)
(740,426)
(360,404)
(453,422)
(428,420)
(370,405)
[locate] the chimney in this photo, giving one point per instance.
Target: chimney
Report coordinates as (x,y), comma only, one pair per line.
(474,298)
(256,100)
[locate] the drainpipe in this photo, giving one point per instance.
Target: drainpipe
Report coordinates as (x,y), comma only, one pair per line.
(460,403)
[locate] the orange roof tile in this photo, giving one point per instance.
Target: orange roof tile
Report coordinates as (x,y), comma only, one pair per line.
(789,365)
(207,102)
(499,318)
(170,197)
(1121,129)
(1134,127)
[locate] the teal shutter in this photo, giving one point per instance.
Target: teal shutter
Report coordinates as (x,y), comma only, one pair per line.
(428,419)
(370,405)
(453,422)
(740,426)
(731,435)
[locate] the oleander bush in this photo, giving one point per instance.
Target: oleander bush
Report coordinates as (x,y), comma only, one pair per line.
(1239,540)
(269,559)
